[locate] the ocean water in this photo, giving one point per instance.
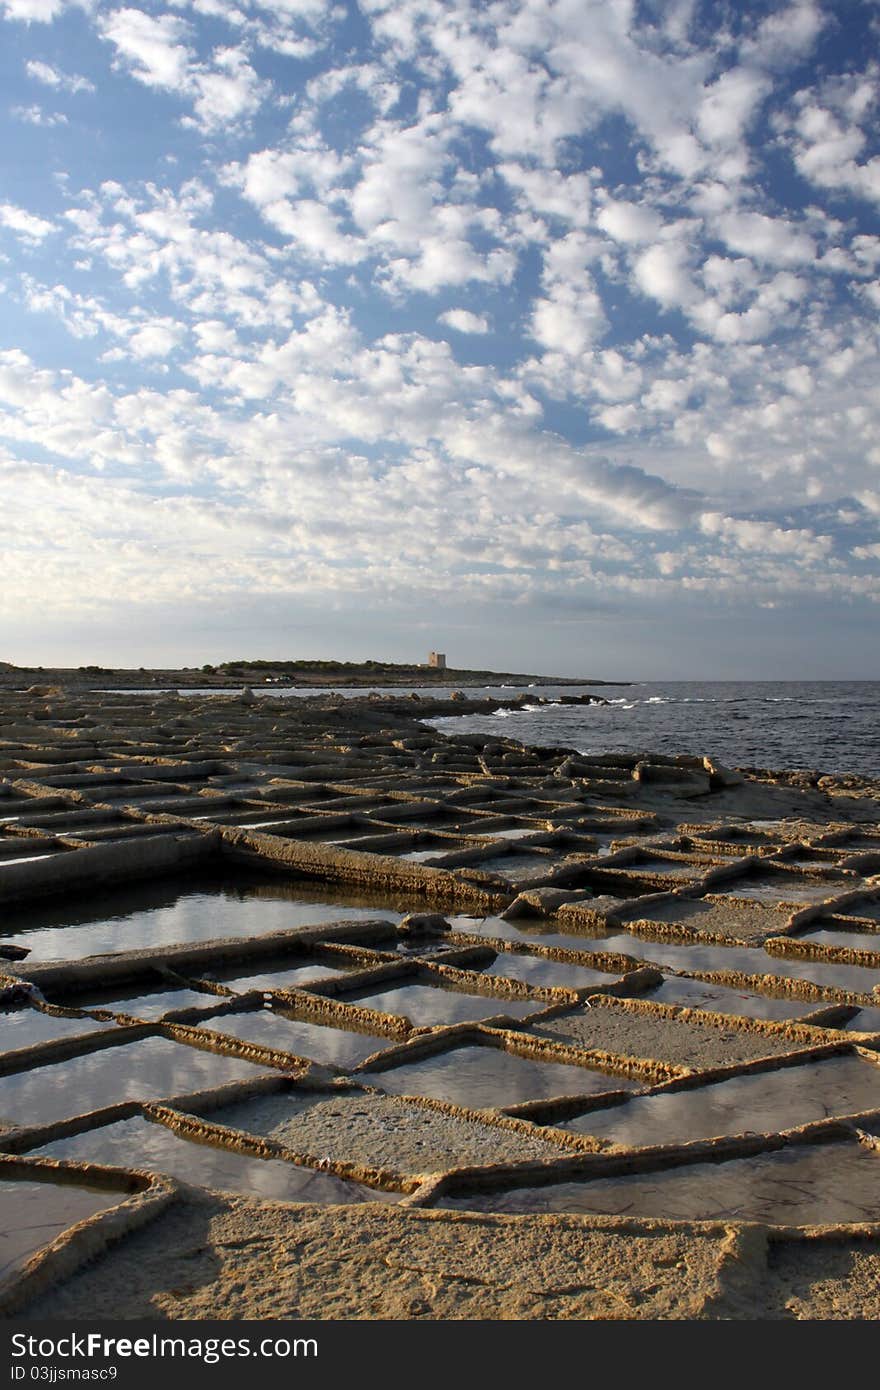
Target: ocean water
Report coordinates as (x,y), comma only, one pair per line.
(831,726)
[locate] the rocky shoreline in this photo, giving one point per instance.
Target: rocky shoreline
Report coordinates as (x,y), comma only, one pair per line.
(229,677)
(538,945)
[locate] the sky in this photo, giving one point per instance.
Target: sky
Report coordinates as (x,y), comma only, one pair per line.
(540,332)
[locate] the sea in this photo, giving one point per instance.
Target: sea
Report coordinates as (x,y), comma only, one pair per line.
(824,726)
(828,726)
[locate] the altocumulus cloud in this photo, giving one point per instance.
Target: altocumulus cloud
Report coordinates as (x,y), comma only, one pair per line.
(566,304)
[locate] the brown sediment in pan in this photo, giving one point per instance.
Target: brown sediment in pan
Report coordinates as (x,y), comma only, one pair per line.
(695,1038)
(413,1136)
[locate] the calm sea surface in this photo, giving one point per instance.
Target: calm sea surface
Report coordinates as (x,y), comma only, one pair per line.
(830,725)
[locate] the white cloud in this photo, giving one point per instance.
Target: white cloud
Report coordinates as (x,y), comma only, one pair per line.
(369,78)
(157,51)
(632,223)
(156,339)
(265,389)
(870,501)
(161,234)
(83,316)
(61,81)
(213,335)
(771,307)
(401,178)
(27,225)
(800,546)
(35,11)
(827,132)
(788,33)
(154,49)
(551,193)
(316,231)
(228,94)
(464,321)
(775,240)
(35,115)
(269,175)
(730,103)
(664,273)
(568,317)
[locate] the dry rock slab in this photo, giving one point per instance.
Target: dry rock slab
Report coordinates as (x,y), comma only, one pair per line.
(383,1132)
(232,1258)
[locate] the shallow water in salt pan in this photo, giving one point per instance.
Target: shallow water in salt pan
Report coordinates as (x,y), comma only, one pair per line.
(676,956)
(9,860)
(513,832)
(486,1077)
(140,1143)
(755,1103)
(865,1021)
(784,890)
(151,1005)
(856,941)
(283,977)
(695,994)
(519,866)
(669,868)
(32,1214)
(869,909)
(430,1006)
(26,1027)
(527,930)
(183,910)
(806,1184)
(536,970)
(146,1069)
(335,1046)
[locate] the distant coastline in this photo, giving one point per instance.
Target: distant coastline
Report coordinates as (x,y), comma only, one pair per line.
(234,674)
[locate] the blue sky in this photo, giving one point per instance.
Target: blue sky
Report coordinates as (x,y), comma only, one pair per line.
(543,332)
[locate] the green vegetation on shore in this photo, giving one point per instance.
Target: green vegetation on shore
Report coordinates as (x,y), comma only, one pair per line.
(371,671)
(262,672)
